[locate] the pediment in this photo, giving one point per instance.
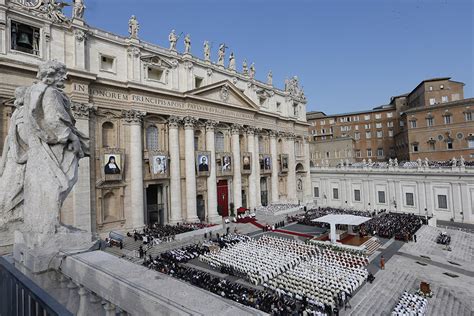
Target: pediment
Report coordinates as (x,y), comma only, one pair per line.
(156,60)
(224,92)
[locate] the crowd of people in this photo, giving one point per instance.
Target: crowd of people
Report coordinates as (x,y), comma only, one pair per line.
(410,304)
(155,234)
(275,208)
(402,226)
(259,260)
(326,281)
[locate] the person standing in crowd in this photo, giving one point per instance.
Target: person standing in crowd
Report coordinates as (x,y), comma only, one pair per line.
(140,251)
(414,238)
(382,263)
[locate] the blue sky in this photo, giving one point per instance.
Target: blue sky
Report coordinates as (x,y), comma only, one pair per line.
(349,54)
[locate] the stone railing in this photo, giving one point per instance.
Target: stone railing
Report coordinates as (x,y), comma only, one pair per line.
(397,169)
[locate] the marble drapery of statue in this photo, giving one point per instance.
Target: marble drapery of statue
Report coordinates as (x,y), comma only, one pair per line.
(172,38)
(12,165)
(133,27)
(187,44)
(221,54)
(207,51)
(252,71)
(49,146)
(270,78)
(245,69)
(232,61)
(78,11)
(55,11)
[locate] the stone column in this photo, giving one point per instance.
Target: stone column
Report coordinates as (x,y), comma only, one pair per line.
(94,307)
(237,182)
(252,181)
(308,183)
(81,193)
(175,171)
(83,301)
(212,215)
(73,301)
(256,167)
(274,154)
(191,212)
(291,181)
(134,118)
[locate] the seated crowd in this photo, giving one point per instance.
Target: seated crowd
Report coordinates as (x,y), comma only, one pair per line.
(275,208)
(262,259)
(410,304)
(155,234)
(399,225)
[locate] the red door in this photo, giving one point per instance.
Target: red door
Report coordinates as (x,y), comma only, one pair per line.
(222,198)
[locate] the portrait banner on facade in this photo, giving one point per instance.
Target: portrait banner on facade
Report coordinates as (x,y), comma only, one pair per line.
(203,166)
(158,164)
(246,163)
(265,164)
(224,163)
(112,162)
(284,163)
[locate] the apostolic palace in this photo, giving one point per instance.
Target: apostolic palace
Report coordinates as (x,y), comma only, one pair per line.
(188,134)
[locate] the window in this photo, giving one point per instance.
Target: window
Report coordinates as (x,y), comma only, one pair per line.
(431,88)
(357,195)
(335,193)
(295,109)
(429,121)
(152,138)
(327,154)
(414,147)
(380,152)
(444,99)
(379,134)
(196,143)
(316,192)
(323,122)
(390,124)
(390,133)
(107,63)
(449,144)
(389,114)
(378,125)
(432,101)
(355,118)
(409,199)
(447,119)
(470,143)
(357,136)
(197,82)
(356,127)
(381,196)
(378,116)
(219,139)
(278,107)
(468,116)
(367,117)
(368,134)
(369,152)
(455,97)
(367,126)
(442,201)
(358,155)
(331,121)
(25,38)
(413,124)
(432,146)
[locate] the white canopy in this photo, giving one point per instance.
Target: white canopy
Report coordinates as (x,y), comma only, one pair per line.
(343,219)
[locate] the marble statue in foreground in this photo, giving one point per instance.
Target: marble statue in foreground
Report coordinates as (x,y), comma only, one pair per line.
(41,158)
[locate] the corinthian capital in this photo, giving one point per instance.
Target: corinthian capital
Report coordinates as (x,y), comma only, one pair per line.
(133,116)
(211,124)
(273,133)
(80,110)
(235,129)
(173,121)
(290,136)
(189,122)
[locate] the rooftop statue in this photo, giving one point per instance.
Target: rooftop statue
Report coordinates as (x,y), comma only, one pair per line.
(187,44)
(207,51)
(245,69)
(252,71)
(41,157)
(173,38)
(232,61)
(270,78)
(133,27)
(221,54)
(78,10)
(293,87)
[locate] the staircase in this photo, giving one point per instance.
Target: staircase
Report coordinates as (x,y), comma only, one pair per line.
(371,246)
(445,302)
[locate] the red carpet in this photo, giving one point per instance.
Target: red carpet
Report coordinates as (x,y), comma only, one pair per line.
(282,231)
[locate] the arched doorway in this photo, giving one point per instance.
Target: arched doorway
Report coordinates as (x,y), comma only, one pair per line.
(264,191)
(155,204)
(223,198)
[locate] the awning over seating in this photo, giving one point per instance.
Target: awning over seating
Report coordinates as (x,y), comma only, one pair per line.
(342,219)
